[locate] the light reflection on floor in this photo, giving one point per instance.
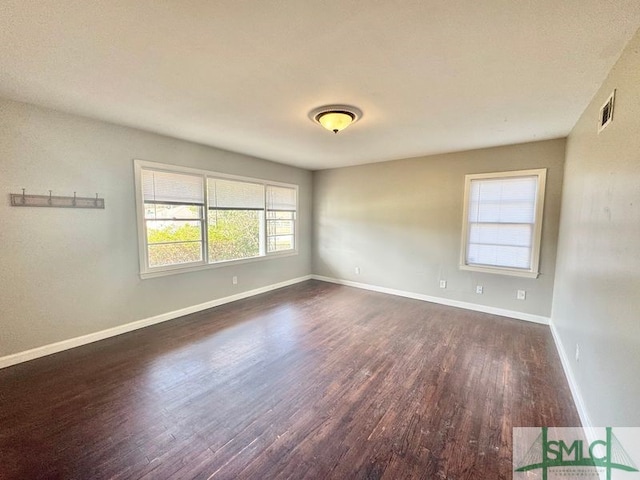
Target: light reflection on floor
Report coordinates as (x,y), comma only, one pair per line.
(226,352)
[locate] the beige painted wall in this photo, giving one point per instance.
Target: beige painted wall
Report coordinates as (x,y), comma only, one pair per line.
(597,296)
(70,272)
(400,223)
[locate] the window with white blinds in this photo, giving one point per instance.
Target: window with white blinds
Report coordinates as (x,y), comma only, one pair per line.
(191,218)
(503,222)
(281,218)
(236,219)
(173,218)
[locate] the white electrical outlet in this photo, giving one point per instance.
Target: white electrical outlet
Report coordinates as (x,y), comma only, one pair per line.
(479,289)
(521,295)
(357,270)
(234,280)
(577,352)
(443,284)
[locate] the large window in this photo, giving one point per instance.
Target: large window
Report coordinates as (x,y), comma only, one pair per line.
(191,219)
(502,222)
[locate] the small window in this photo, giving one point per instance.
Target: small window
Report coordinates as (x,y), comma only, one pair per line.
(502,222)
(191,219)
(281,218)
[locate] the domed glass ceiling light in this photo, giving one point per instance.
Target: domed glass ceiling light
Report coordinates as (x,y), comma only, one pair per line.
(335,117)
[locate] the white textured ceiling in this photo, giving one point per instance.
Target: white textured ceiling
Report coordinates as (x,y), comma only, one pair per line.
(430,76)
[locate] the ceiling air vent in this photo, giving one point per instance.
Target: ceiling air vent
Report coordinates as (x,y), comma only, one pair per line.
(606,112)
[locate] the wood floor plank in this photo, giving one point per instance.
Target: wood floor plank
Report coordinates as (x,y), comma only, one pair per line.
(310,381)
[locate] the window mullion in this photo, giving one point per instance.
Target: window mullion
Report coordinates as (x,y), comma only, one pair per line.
(204,220)
(265,223)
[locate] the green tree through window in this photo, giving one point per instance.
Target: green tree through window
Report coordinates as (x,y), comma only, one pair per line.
(234,234)
(192,218)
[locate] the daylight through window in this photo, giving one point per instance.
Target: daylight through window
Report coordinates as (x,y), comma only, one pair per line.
(503,222)
(191,218)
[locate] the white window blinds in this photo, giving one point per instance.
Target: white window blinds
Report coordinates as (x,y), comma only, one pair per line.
(281,199)
(235,195)
(190,219)
(501,216)
(281,218)
(172,188)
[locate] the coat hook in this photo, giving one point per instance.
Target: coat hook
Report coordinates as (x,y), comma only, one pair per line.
(24,200)
(74,199)
(95,202)
(49,197)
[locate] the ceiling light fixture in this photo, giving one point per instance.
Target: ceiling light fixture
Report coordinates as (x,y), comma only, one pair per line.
(335,117)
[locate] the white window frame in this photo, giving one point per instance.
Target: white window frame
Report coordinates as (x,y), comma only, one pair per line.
(149,272)
(534,270)
(270,208)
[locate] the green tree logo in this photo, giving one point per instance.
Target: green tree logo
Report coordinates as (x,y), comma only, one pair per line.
(545,454)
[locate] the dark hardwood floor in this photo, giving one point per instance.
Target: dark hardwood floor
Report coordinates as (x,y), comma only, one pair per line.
(310,381)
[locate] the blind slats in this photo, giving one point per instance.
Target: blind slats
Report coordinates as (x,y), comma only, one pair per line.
(500,255)
(281,198)
(501,221)
(507,200)
(172,188)
(497,234)
(235,195)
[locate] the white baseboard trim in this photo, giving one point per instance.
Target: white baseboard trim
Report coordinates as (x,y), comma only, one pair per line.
(573,384)
(45,350)
(442,301)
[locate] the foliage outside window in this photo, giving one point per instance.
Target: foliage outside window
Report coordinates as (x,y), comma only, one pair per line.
(192,219)
(502,222)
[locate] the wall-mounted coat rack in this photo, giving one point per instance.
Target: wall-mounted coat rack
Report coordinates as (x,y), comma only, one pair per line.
(24,200)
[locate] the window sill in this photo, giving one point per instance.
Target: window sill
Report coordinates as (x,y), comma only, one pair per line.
(501,271)
(175,270)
